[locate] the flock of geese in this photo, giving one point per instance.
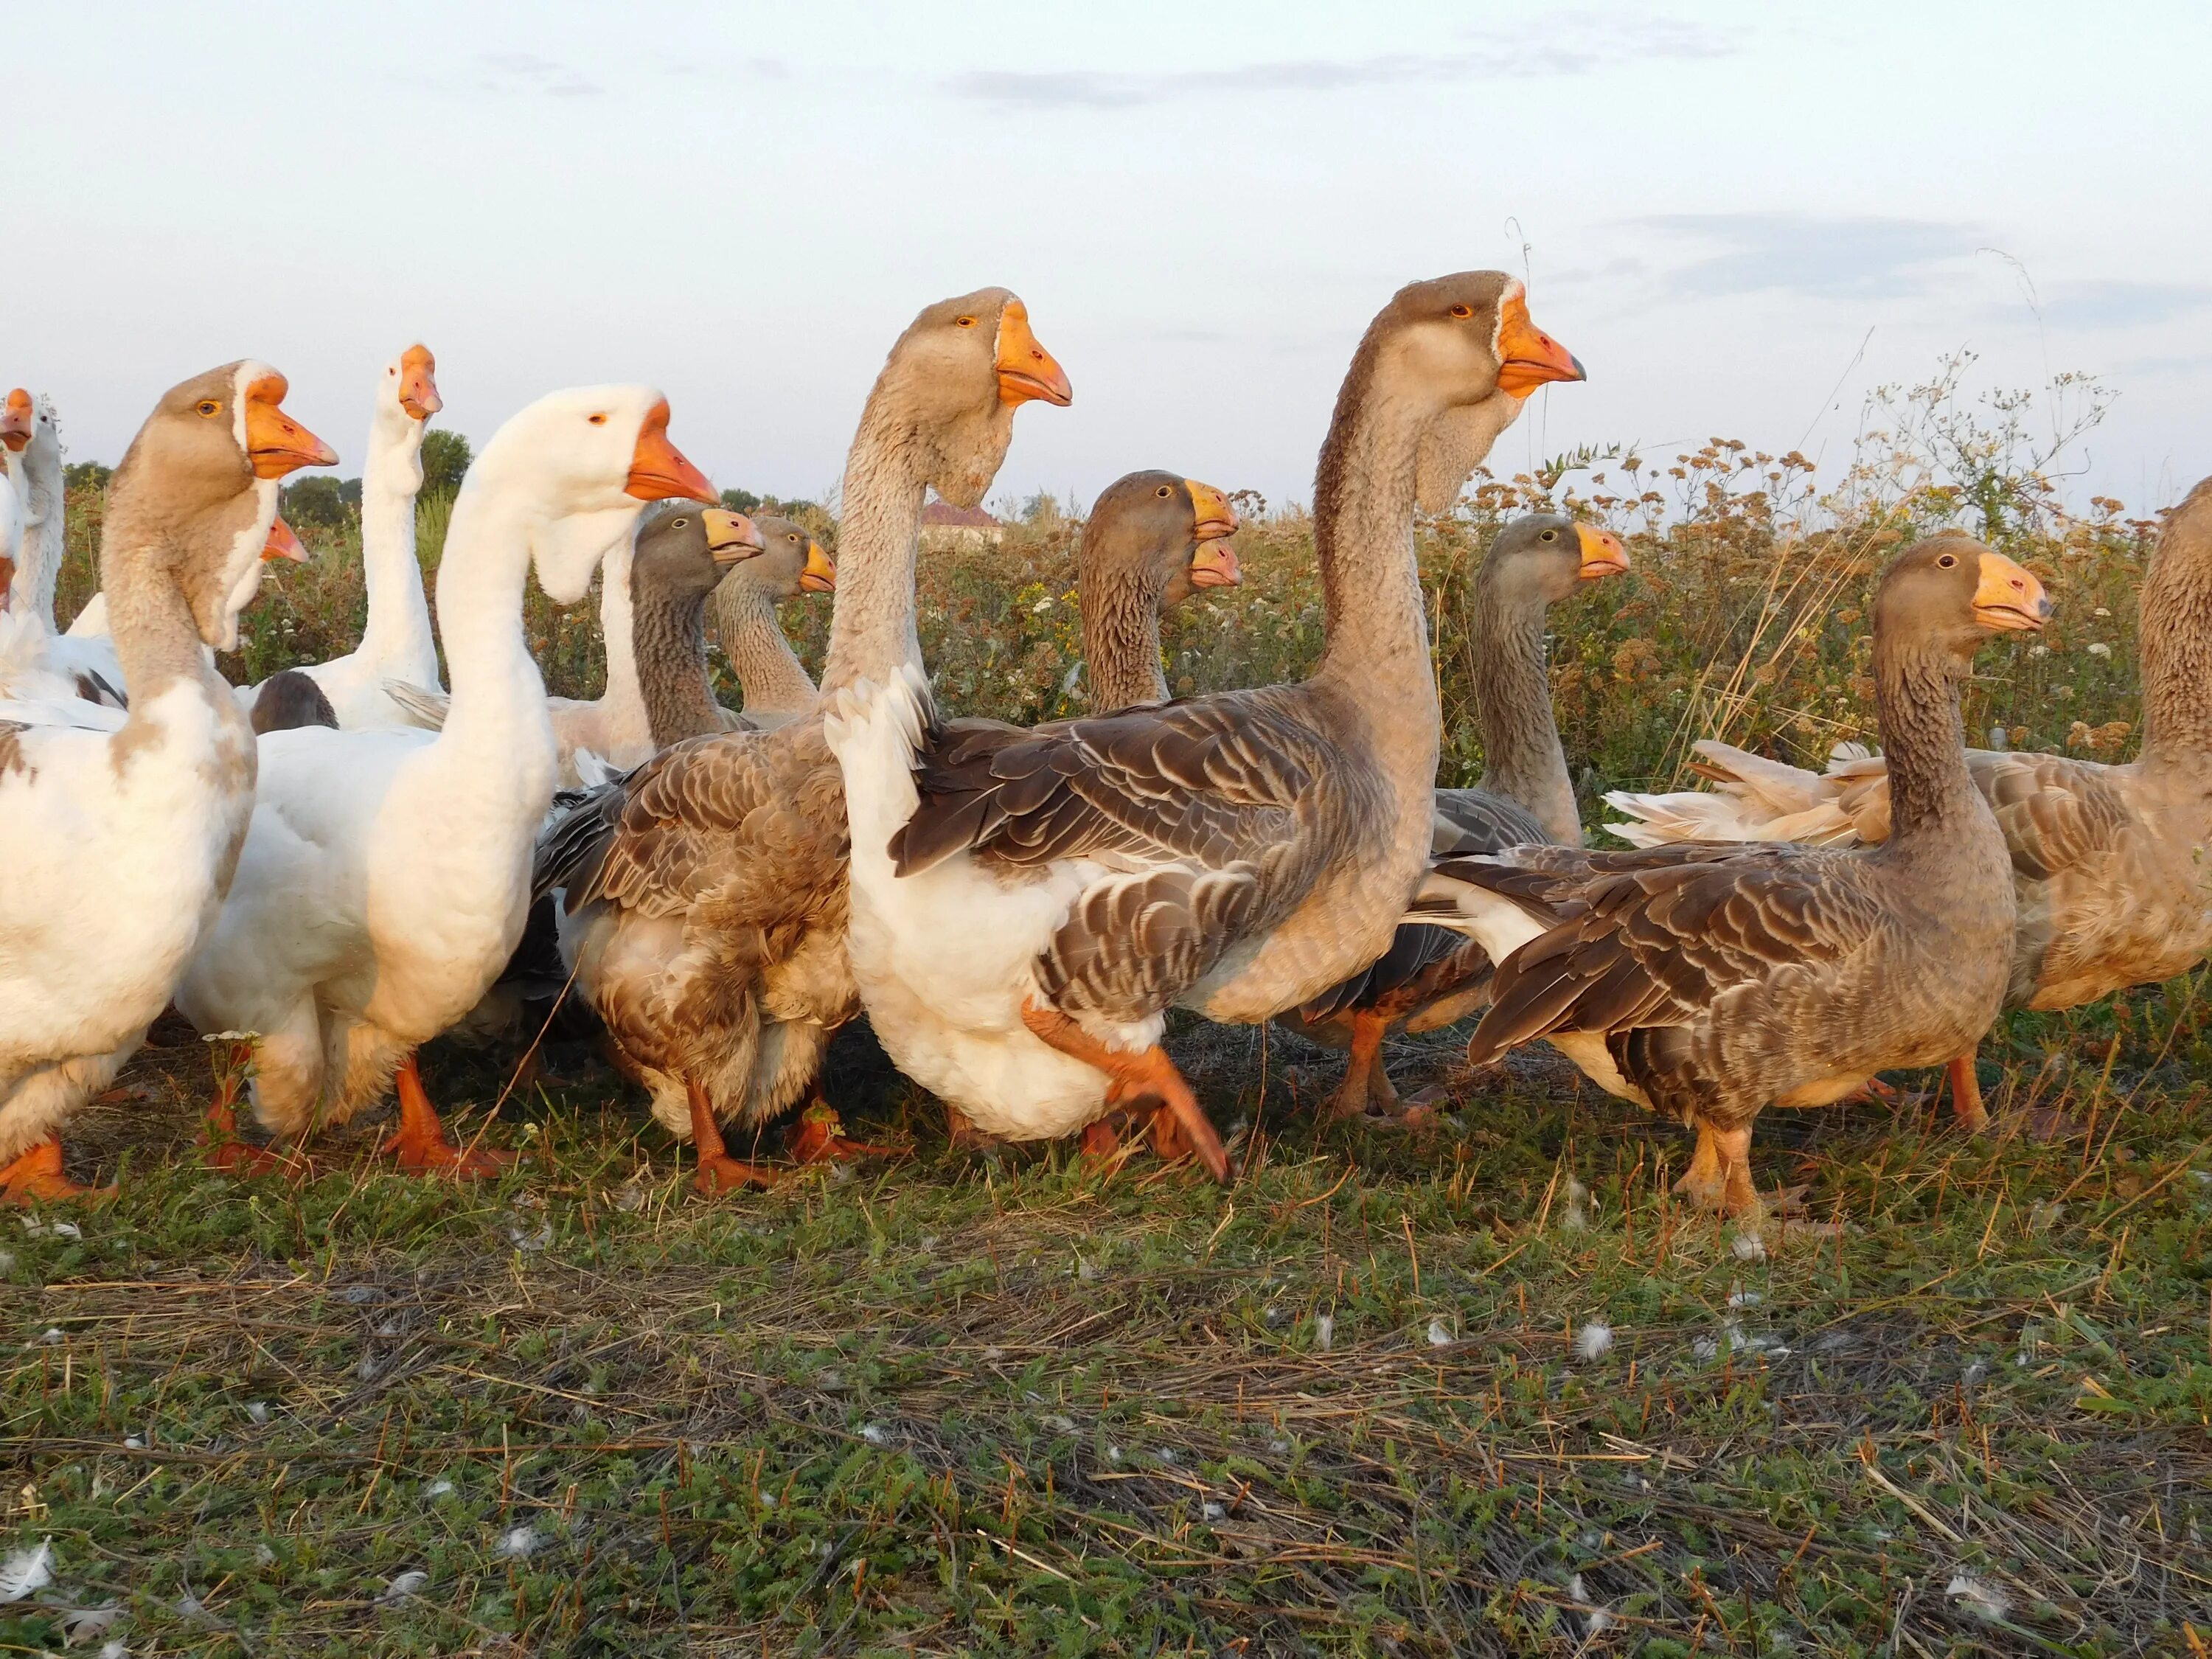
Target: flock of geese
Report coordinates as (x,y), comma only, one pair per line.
(328,870)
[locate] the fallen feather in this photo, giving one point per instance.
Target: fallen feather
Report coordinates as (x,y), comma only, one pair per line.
(1324,1331)
(51,1229)
(1982,1599)
(517,1543)
(1594,1341)
(26,1570)
(875,1434)
(407,1584)
(1438,1336)
(88,1624)
(258,1410)
(1748,1246)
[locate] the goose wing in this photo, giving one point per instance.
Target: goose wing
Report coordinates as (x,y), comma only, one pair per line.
(2056,814)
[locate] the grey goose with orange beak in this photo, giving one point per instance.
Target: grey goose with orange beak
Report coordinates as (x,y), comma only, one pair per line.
(1709,981)
(777,688)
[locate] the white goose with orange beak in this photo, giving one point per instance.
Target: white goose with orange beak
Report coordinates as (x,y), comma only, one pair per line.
(34,661)
(386,878)
(121,843)
(396,642)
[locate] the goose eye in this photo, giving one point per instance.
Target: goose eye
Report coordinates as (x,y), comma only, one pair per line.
(1462,310)
(599,420)
(963,322)
(209,406)
(1165,492)
(1947,560)
(679,524)
(1550,534)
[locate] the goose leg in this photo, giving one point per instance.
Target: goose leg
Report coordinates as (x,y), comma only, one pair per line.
(219,1146)
(818,1137)
(718,1172)
(1148,1075)
(1966,1095)
(1362,1068)
(1100,1144)
(38,1173)
(1704,1184)
(961,1131)
(421,1139)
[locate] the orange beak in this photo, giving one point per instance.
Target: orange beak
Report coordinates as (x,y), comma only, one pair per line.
(276,444)
(15,421)
(1527,356)
(1602,553)
(418,383)
(282,545)
(1026,369)
(7,576)
(1215,516)
(1213,564)
(2010,598)
(658,470)
(820,576)
(731,538)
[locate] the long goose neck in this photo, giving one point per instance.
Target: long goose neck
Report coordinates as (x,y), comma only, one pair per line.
(2177,640)
(623,703)
(398,630)
(1521,756)
(158,643)
(1121,641)
(496,727)
(1917,703)
(871,630)
(1377,627)
(775,681)
(671,639)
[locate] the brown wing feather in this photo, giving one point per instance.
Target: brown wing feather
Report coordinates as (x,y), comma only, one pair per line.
(2056,814)
(1134,944)
(1213,782)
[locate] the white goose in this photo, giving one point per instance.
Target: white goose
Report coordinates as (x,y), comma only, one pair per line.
(121,844)
(396,644)
(386,878)
(35,661)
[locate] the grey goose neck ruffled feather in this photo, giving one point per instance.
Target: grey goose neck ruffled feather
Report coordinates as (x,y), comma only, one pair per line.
(1709,980)
(1233,853)
(1431,977)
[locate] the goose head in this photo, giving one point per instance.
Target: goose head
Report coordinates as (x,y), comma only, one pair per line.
(1461,355)
(791,562)
(1952,593)
(1156,537)
(584,463)
(198,487)
(18,419)
(406,397)
(1541,558)
(955,379)
(684,549)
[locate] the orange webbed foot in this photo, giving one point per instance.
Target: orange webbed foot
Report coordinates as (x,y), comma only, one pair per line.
(421,1142)
(37,1175)
(819,1138)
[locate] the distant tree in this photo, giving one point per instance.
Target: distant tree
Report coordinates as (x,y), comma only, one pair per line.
(86,475)
(740,501)
(445,457)
(317,503)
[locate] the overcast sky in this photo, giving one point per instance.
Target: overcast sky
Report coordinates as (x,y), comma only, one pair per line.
(1740,217)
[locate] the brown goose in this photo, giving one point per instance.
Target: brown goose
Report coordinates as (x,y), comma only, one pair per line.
(2108,861)
(1431,977)
(1708,981)
(1026,905)
(706,891)
(777,687)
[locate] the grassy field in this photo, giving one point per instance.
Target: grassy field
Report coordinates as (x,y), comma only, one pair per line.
(1479,1387)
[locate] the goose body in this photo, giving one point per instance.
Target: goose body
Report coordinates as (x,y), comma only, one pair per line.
(1709,980)
(1026,905)
(124,841)
(386,876)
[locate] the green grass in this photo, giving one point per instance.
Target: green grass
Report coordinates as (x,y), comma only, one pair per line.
(1015,1406)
